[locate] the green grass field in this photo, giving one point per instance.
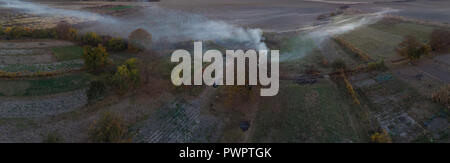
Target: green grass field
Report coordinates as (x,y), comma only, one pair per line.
(380,40)
(67,53)
(44,86)
(307,113)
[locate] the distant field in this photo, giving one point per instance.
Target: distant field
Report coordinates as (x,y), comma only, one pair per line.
(43,86)
(380,40)
(67,53)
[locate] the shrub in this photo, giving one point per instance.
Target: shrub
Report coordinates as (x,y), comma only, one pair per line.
(133,70)
(139,40)
(382,137)
(90,38)
(73,34)
(17,32)
(339,64)
(127,74)
(95,57)
(109,129)
(442,96)
(440,40)
(412,49)
(53,137)
(116,44)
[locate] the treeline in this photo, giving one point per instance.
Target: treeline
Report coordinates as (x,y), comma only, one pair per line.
(138,40)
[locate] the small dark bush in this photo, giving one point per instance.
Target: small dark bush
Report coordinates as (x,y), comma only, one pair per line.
(109,129)
(96,90)
(116,44)
(53,137)
(412,49)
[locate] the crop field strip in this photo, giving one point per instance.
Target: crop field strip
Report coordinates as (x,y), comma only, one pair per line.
(300,112)
(37,106)
(35,91)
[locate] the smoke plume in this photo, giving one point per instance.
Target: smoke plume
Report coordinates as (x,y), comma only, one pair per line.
(163,24)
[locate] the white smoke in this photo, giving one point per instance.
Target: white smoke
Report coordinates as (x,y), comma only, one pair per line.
(346,25)
(316,37)
(163,24)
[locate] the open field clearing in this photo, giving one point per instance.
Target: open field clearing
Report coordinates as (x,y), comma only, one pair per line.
(310,113)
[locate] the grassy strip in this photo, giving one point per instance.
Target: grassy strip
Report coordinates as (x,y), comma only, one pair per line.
(34,68)
(67,53)
(120,7)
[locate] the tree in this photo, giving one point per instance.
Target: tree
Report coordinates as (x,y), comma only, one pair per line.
(91,39)
(109,129)
(127,74)
(412,49)
(116,44)
(139,40)
(64,31)
(95,57)
(440,40)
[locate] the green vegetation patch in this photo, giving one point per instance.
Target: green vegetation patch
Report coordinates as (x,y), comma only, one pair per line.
(67,53)
(44,86)
(120,7)
(306,113)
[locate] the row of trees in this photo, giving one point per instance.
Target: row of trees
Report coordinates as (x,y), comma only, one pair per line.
(10,33)
(138,40)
